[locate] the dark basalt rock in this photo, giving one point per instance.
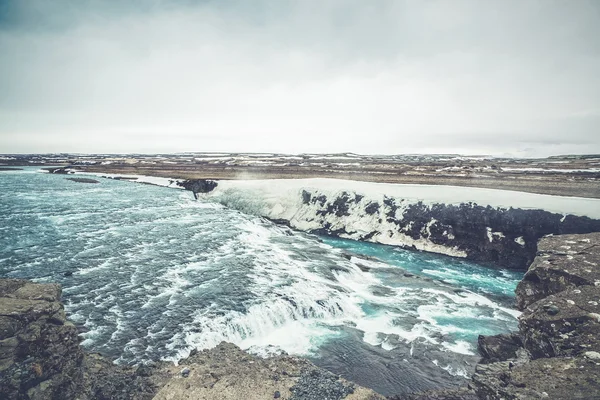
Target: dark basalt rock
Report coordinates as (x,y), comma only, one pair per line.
(549,378)
(499,347)
(306,196)
(198,185)
(505,236)
(372,208)
(82,180)
(60,170)
(40,357)
(563,262)
(318,384)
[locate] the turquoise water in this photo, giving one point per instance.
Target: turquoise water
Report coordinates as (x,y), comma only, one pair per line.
(149,273)
(468,275)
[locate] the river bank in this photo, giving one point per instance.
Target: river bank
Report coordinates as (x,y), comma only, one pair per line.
(555,354)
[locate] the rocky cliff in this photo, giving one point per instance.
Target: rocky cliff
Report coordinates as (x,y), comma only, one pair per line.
(499,227)
(505,236)
(556,352)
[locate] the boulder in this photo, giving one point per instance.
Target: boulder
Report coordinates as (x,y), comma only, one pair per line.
(498,347)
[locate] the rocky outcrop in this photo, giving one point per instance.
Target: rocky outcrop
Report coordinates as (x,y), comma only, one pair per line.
(563,324)
(563,262)
(40,359)
(499,347)
(198,185)
(553,378)
(556,353)
(82,180)
(226,372)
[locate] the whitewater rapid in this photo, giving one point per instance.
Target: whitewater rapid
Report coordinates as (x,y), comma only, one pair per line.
(149,273)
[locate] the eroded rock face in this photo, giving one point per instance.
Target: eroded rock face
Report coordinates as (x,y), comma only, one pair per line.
(563,262)
(506,236)
(40,357)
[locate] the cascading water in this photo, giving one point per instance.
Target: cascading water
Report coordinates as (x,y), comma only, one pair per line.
(150,273)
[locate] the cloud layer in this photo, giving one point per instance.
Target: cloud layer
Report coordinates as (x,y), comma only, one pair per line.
(495,77)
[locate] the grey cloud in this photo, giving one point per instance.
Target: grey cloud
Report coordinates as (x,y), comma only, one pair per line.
(380,77)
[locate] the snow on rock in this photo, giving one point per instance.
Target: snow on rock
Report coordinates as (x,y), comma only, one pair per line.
(480,224)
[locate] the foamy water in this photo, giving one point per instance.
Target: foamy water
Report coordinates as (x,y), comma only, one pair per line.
(152,274)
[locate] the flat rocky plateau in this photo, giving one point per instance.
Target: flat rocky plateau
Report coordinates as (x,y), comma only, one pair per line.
(561,175)
(554,355)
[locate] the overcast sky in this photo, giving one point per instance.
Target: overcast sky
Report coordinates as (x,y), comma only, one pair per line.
(501,77)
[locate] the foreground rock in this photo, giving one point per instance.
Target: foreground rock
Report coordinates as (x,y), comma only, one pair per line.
(40,358)
(556,353)
(226,372)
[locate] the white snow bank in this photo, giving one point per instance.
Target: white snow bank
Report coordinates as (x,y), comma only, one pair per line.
(284,195)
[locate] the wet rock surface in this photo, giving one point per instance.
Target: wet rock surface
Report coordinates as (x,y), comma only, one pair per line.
(82,180)
(556,353)
(449,394)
